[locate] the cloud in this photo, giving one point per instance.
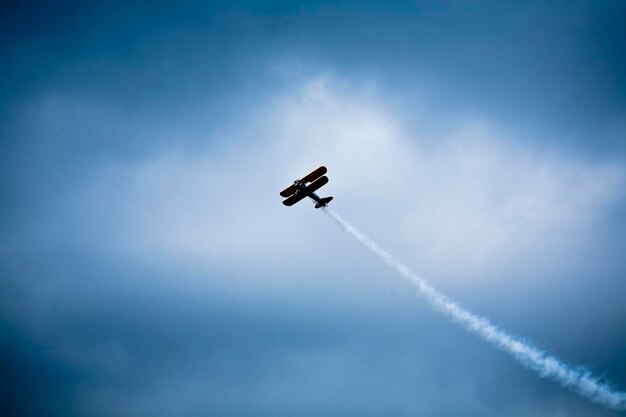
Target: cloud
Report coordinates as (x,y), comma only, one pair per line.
(191,230)
(149,268)
(470,202)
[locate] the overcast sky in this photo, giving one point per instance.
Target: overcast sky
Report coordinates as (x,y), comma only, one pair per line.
(148,267)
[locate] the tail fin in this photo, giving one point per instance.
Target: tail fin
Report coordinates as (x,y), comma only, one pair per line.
(323,202)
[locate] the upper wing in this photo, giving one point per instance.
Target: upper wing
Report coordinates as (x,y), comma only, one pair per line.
(315,174)
(288,191)
(308,178)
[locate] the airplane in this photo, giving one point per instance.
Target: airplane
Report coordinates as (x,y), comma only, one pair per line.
(299,189)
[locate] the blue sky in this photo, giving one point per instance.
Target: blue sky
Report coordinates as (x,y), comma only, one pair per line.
(148,267)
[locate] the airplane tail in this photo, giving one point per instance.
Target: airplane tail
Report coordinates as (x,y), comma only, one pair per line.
(323,202)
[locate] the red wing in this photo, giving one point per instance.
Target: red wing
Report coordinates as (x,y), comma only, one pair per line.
(315,174)
(308,178)
(288,191)
(294,199)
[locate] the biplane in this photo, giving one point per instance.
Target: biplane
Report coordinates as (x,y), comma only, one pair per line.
(299,189)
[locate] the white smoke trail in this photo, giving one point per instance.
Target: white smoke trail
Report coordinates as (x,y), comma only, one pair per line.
(577,379)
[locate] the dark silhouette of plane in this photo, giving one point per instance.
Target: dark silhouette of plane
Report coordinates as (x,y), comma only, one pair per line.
(299,189)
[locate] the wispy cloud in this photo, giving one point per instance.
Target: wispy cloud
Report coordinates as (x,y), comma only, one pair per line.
(471,200)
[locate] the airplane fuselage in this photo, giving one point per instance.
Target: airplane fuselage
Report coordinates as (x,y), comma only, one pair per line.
(301,188)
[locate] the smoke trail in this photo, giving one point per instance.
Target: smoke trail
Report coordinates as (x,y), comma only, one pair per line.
(577,379)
